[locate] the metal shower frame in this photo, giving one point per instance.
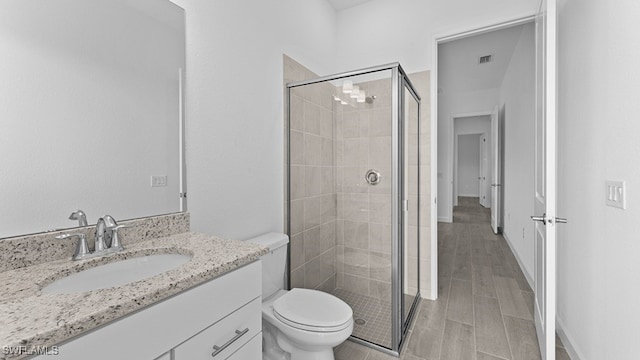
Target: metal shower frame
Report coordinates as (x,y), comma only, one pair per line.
(399,82)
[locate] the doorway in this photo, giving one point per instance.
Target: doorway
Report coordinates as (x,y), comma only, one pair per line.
(512,253)
(471,156)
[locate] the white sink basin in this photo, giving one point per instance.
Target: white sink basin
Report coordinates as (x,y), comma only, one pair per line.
(116,273)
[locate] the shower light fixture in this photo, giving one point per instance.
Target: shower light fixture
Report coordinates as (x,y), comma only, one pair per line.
(361,96)
(347,86)
(355,92)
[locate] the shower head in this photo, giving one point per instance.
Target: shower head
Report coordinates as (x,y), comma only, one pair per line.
(370,99)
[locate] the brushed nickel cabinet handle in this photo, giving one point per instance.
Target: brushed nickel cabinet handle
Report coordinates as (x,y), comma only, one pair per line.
(218,349)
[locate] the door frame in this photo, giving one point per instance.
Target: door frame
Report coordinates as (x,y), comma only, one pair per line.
(438,39)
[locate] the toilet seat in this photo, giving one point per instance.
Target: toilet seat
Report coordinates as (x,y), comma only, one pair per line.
(313,310)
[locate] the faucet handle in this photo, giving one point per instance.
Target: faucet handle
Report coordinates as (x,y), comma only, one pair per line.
(82,249)
(115,240)
(109,221)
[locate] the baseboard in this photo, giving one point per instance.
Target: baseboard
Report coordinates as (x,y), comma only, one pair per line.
(445,219)
(574,354)
(519,260)
(560,327)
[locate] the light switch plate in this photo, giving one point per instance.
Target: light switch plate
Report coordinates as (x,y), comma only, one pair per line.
(616,194)
(158,180)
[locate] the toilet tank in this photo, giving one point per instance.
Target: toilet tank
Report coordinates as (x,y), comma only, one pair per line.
(274,263)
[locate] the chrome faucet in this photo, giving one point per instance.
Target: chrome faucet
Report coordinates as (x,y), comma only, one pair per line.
(80,216)
(100,243)
(106,239)
(110,224)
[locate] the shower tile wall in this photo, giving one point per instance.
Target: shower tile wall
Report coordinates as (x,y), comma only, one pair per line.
(313,193)
(364,212)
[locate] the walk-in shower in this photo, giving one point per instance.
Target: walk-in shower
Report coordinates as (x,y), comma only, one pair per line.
(353,196)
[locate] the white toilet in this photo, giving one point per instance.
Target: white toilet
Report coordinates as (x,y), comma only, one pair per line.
(299,324)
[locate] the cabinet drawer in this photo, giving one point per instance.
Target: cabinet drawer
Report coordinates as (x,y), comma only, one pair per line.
(250,351)
(229,334)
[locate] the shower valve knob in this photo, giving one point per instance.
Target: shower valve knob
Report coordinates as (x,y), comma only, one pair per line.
(373,177)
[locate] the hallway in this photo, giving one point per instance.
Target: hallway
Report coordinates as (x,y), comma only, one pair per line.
(485,305)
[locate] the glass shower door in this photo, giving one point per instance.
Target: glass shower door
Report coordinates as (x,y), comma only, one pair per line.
(411,219)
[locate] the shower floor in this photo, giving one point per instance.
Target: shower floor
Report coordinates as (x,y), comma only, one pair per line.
(376,314)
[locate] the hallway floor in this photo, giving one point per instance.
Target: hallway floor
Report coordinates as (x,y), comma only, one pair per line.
(485,306)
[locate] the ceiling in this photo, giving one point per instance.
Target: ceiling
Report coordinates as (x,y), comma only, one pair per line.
(458,68)
(344,4)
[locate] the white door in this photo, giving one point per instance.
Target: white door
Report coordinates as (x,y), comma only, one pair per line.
(482,176)
(545,180)
(496,171)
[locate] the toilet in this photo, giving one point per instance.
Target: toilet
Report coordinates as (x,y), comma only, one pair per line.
(300,324)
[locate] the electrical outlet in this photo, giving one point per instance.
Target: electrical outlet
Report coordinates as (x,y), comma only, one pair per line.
(158,180)
(616,194)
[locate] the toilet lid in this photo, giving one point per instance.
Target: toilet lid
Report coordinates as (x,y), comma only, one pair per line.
(313,310)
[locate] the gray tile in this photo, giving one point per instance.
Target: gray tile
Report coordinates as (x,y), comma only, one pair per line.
(432,314)
(483,356)
(520,278)
(458,343)
(407,356)
(561,354)
(460,306)
(378,355)
(490,333)
(512,302)
(501,270)
(461,267)
(350,351)
(444,285)
(482,281)
(529,299)
(425,342)
(312,244)
(522,338)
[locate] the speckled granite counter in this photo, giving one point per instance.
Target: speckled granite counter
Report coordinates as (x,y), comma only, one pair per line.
(29,317)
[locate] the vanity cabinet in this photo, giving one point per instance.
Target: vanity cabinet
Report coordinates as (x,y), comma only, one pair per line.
(224,312)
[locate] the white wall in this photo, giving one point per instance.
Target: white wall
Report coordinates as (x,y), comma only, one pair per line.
(235,105)
(384,31)
(598,110)
(468,165)
(451,105)
(517,105)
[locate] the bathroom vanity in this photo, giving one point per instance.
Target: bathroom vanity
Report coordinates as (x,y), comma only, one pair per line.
(186,326)
(210,304)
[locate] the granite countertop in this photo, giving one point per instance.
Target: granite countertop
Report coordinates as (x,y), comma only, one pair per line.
(31,318)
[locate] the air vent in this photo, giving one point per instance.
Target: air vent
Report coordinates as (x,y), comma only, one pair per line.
(485,59)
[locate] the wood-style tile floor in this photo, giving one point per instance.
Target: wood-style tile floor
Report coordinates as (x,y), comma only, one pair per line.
(485,306)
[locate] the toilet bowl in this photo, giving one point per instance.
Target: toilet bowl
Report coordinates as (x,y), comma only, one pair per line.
(300,324)
(307,324)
